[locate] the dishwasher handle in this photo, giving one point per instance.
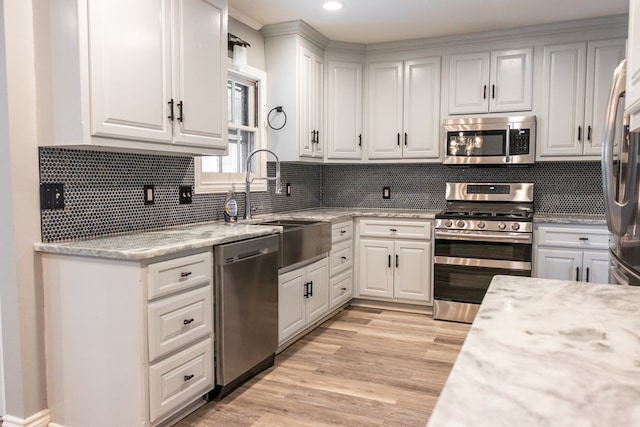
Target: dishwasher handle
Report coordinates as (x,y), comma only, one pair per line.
(246,249)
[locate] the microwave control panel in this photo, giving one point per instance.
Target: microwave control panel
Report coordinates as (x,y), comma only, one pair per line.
(519,142)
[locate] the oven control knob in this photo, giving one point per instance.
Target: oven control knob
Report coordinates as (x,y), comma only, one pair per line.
(515,226)
(481,225)
(448,223)
(460,223)
(502,225)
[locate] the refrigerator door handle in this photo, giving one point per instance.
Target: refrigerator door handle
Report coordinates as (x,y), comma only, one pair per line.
(619,210)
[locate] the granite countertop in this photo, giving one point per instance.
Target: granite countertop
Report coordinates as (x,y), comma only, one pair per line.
(152,244)
(551,218)
(547,353)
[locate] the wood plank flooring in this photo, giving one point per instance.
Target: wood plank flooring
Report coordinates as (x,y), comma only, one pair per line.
(363,367)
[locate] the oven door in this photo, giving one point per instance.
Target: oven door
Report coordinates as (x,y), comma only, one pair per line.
(465,262)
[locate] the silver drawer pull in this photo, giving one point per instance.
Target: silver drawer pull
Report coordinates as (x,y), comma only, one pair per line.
(583,238)
(188,377)
(185,274)
(188,321)
(393,229)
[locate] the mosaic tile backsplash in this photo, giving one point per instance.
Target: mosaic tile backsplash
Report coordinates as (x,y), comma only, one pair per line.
(562,188)
(104,191)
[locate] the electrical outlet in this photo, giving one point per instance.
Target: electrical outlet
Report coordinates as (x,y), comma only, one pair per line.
(149,194)
(185,194)
(51,196)
(386,192)
(288,189)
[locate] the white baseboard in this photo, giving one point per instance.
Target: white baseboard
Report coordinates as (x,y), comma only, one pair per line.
(41,419)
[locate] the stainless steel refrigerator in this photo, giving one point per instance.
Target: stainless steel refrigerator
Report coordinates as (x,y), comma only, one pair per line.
(620,181)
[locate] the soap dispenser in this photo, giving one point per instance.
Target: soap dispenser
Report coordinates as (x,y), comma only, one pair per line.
(230,208)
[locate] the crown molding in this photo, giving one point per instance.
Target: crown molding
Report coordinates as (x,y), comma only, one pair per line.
(557,28)
(300,28)
(246,20)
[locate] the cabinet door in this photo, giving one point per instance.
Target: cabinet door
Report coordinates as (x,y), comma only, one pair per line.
(468,83)
(290,304)
(344,110)
(384,110)
(632,96)
(376,268)
(596,267)
(563,100)
(200,73)
(602,59)
(421,122)
(511,80)
(412,274)
(561,264)
(317,88)
(317,303)
(130,69)
(305,102)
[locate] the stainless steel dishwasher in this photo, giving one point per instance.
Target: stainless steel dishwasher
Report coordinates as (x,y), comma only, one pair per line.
(245,310)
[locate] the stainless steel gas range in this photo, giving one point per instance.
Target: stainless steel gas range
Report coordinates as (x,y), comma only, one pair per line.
(485,230)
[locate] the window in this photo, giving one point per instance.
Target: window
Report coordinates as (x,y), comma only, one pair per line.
(245,99)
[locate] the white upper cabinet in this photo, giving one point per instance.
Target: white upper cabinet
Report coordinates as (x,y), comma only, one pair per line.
(632,97)
(149,76)
(496,81)
(294,56)
(344,110)
(403,109)
(576,84)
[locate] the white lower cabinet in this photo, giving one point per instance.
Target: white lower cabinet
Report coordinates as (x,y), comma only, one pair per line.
(127,339)
(395,264)
(577,253)
(303,298)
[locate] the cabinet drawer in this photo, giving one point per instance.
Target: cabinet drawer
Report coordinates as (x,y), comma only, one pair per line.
(341,289)
(584,238)
(395,229)
(178,320)
(340,258)
(181,379)
(181,273)
(342,231)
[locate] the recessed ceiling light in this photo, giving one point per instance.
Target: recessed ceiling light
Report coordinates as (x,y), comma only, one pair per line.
(332,5)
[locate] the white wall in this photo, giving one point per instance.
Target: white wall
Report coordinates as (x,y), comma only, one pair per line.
(20,298)
(255,54)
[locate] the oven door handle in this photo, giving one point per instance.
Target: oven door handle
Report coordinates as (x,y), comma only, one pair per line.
(487,236)
(484,263)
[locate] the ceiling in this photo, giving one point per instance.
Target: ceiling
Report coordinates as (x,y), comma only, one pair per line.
(373,21)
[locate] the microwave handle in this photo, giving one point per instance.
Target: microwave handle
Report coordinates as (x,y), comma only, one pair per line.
(508,147)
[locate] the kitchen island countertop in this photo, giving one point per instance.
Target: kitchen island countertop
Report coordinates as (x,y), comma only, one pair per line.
(547,353)
(152,244)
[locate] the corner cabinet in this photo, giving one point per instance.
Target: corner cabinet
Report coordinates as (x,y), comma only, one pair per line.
(395,260)
(149,76)
(632,97)
(136,335)
(496,81)
(566,252)
(576,84)
(403,110)
(294,55)
(344,109)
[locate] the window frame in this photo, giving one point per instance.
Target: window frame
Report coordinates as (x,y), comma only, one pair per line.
(224,182)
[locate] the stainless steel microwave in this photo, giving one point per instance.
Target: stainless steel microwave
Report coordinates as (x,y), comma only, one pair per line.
(490,141)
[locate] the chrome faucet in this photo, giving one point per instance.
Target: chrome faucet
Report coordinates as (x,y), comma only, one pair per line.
(248,180)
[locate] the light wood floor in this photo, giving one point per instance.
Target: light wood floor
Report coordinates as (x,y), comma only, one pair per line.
(363,367)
